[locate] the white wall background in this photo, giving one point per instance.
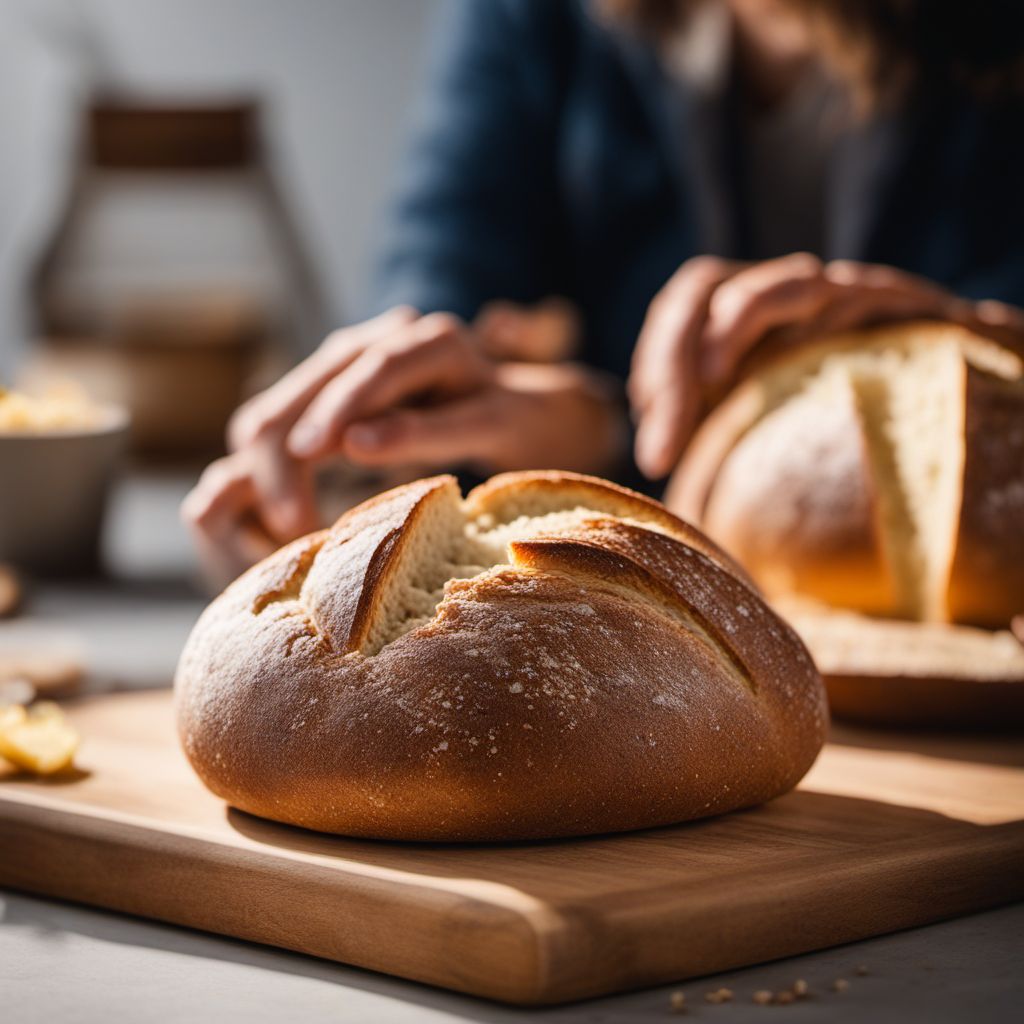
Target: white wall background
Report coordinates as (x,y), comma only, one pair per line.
(338,76)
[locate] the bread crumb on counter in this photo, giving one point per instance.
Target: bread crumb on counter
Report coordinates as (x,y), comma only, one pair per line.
(798,990)
(721,995)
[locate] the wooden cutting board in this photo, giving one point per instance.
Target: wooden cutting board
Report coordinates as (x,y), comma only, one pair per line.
(883,834)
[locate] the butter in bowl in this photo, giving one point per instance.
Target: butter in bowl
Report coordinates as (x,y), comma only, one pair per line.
(59,452)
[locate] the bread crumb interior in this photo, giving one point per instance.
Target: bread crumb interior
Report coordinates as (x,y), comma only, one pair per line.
(450,542)
(911,401)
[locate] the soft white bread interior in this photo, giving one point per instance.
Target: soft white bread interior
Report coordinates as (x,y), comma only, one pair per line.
(553,655)
(845,643)
(456,540)
(910,438)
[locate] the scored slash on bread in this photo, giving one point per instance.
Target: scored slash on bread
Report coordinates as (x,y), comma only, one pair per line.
(551,656)
(880,471)
(626,559)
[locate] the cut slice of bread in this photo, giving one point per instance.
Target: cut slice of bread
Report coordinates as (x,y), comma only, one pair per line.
(892,672)
(910,398)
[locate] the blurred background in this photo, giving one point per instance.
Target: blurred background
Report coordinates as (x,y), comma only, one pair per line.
(188,192)
(192,193)
(332,80)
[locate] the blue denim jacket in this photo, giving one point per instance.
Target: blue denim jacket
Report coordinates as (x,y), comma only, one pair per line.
(553,156)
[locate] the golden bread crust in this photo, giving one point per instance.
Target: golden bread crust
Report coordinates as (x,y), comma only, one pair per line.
(607,676)
(343,583)
(986,584)
(574,489)
(788,484)
(795,502)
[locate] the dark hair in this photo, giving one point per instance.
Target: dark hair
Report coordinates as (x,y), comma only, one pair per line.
(881,46)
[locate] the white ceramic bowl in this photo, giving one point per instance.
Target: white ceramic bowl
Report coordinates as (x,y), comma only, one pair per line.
(54,487)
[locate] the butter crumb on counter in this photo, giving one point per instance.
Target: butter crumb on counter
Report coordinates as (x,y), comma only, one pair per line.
(37,738)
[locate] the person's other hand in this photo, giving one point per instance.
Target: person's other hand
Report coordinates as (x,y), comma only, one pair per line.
(712,312)
(394,391)
(221,515)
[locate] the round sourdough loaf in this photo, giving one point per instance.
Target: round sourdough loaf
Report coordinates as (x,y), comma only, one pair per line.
(880,471)
(551,656)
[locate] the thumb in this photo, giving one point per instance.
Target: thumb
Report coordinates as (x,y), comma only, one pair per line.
(664,430)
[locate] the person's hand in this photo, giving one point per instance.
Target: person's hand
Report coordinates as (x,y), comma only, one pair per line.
(712,312)
(546,332)
(221,514)
(394,391)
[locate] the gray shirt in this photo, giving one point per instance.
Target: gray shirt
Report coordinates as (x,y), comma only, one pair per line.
(786,149)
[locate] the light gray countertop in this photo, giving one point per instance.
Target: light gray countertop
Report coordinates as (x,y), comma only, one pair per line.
(67,964)
(63,964)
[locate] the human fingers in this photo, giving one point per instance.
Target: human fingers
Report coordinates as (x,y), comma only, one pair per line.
(769,295)
(224,491)
(433,356)
(656,346)
(463,430)
(999,321)
(993,313)
(286,489)
(664,384)
(871,293)
(275,410)
(220,513)
(542,333)
(497,326)
(891,293)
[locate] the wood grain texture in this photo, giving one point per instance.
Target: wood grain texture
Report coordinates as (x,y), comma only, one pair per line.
(886,832)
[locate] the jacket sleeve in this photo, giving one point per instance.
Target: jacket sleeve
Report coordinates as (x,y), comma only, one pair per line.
(993,231)
(475,215)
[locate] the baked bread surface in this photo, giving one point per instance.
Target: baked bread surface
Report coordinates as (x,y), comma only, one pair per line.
(880,471)
(551,656)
